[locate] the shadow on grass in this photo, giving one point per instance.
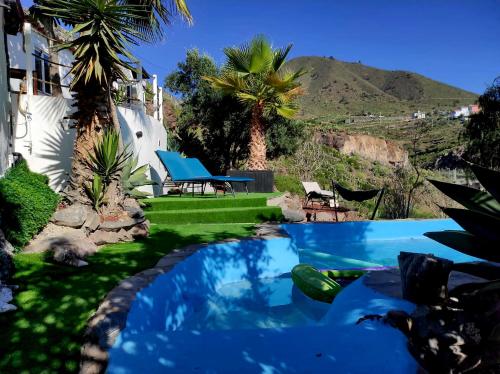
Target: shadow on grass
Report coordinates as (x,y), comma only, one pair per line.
(45,334)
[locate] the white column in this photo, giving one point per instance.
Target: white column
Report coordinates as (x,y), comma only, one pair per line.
(160,104)
(155,95)
(28,49)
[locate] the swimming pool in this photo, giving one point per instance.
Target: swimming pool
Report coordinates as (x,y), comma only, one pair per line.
(232,307)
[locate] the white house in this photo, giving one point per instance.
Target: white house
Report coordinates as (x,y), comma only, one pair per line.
(418,115)
(42,105)
(10,21)
(463,111)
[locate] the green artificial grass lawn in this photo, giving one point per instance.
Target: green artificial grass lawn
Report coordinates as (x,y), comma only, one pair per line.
(221,215)
(45,334)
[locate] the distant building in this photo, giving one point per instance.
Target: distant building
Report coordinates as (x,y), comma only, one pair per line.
(418,115)
(473,109)
(460,112)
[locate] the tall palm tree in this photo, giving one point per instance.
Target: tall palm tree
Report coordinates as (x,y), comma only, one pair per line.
(102,33)
(255,74)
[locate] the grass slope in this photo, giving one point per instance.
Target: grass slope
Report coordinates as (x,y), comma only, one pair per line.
(222,215)
(333,86)
(207,202)
(45,334)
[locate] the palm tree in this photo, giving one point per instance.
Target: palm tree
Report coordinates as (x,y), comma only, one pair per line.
(102,33)
(255,74)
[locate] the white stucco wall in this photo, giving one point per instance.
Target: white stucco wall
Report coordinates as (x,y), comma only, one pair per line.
(48,147)
(43,141)
(4,101)
(153,137)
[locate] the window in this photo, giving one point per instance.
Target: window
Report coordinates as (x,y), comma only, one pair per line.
(42,73)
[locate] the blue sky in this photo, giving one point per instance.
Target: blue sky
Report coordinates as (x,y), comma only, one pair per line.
(453,41)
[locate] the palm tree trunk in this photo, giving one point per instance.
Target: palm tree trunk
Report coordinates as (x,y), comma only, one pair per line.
(55,77)
(257,159)
(93,117)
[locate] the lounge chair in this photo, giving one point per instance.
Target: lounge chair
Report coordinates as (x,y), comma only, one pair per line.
(352,195)
(314,193)
(191,171)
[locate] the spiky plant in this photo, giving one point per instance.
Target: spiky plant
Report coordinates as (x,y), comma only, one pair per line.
(480,217)
(134,177)
(256,75)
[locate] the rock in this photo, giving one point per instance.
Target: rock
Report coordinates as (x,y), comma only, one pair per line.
(5,298)
(134,212)
(75,241)
(424,278)
(66,256)
(293,215)
(125,236)
(286,201)
(72,216)
(92,222)
(140,231)
(122,223)
(101,237)
(370,147)
(7,266)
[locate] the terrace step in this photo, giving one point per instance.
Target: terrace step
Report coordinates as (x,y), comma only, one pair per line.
(219,215)
(205,202)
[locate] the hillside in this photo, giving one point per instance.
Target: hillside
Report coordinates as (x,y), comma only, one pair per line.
(336,87)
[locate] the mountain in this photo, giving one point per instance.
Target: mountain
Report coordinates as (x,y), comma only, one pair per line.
(336,87)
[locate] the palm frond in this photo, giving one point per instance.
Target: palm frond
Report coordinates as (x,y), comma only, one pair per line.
(280,56)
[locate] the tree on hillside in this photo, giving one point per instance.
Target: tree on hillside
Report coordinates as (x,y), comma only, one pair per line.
(255,75)
(212,126)
(102,32)
(482,131)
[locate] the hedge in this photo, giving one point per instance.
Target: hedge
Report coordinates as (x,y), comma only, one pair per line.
(26,204)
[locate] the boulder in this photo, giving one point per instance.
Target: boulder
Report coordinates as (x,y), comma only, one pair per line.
(5,298)
(66,256)
(7,267)
(140,231)
(101,237)
(122,223)
(92,222)
(286,201)
(134,212)
(293,215)
(72,216)
(56,237)
(125,236)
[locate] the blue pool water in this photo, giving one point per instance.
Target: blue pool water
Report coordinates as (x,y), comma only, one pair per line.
(233,307)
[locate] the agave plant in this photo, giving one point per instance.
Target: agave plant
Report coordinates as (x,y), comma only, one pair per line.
(108,160)
(95,191)
(480,219)
(133,177)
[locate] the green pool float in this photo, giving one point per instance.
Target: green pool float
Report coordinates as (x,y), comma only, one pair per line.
(320,285)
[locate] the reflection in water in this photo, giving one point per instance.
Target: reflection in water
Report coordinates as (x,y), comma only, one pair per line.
(257,303)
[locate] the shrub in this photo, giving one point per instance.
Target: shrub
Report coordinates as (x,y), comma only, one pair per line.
(26,204)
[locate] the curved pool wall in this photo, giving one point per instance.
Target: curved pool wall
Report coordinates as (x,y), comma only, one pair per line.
(154,340)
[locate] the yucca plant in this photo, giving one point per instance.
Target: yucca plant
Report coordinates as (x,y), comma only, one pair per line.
(108,160)
(95,191)
(134,177)
(480,218)
(477,308)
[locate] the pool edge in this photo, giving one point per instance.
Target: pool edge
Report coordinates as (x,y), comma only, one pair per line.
(110,318)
